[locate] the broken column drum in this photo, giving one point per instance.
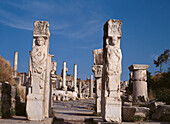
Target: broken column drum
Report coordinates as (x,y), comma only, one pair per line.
(39,96)
(97,69)
(139,79)
(112,56)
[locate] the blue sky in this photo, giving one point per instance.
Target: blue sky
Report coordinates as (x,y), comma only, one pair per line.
(76,28)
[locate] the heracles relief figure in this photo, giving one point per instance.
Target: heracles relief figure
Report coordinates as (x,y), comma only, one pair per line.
(113,57)
(38,60)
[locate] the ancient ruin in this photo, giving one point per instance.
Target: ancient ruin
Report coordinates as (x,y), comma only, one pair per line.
(97,69)
(139,78)
(15,64)
(91,87)
(39,95)
(111,102)
(64,76)
(75,78)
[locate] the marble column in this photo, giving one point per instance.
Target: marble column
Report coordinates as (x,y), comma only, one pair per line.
(15,64)
(139,79)
(79,93)
(64,76)
(75,77)
(91,87)
(97,69)
(112,56)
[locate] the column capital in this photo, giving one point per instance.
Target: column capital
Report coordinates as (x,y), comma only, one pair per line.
(138,67)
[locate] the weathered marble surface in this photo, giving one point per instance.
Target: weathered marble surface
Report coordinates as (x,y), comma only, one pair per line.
(75,78)
(40,66)
(139,78)
(97,68)
(15,64)
(64,76)
(112,56)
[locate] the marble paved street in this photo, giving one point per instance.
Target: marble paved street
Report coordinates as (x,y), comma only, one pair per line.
(79,110)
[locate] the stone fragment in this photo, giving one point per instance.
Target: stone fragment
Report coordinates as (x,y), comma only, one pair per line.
(112,56)
(132,113)
(162,113)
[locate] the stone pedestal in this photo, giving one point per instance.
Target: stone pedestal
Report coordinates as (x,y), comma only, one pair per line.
(35,107)
(15,64)
(139,78)
(75,78)
(91,87)
(97,69)
(111,102)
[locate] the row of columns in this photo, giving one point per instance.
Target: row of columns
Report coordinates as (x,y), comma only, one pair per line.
(64,75)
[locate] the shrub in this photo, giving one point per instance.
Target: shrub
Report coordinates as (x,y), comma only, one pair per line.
(6,71)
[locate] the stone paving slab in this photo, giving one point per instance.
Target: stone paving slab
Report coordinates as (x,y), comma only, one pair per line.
(23,120)
(79,110)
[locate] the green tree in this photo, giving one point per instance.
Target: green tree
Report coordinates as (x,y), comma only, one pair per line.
(163,59)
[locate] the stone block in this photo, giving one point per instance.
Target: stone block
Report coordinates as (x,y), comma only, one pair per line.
(35,107)
(162,113)
(130,113)
(112,111)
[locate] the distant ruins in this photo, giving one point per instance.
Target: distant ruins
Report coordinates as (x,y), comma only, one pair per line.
(42,85)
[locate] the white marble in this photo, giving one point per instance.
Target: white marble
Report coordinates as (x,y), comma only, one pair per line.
(139,79)
(39,96)
(97,68)
(64,76)
(15,64)
(111,101)
(75,78)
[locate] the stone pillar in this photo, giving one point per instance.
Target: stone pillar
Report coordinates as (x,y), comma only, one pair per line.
(97,69)
(79,93)
(91,87)
(139,79)
(15,64)
(39,94)
(75,77)
(112,56)
(64,76)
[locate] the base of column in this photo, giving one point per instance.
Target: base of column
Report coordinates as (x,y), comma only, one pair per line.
(35,107)
(112,110)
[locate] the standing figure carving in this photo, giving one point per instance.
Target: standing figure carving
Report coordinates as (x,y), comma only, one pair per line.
(112,57)
(38,60)
(40,66)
